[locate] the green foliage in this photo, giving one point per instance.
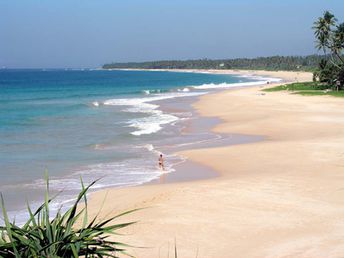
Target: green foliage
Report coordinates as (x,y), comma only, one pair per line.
(273,63)
(307,89)
(321,93)
(299,86)
(60,236)
(330,38)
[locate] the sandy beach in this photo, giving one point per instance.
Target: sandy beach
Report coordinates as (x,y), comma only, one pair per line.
(280,197)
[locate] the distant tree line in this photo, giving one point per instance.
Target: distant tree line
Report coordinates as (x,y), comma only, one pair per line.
(273,63)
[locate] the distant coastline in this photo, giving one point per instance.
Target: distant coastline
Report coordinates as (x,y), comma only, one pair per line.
(273,63)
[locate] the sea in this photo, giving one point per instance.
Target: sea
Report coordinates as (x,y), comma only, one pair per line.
(106,125)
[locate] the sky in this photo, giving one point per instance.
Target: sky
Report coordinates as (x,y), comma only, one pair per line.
(89,33)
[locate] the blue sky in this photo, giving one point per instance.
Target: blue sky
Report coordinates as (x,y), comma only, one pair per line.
(89,33)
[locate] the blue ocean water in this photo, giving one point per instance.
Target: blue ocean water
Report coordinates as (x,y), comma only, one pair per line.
(89,123)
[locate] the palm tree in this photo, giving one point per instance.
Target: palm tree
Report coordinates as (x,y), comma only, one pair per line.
(323,30)
(339,41)
(330,38)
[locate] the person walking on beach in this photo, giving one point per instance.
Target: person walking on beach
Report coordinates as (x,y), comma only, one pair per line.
(161,162)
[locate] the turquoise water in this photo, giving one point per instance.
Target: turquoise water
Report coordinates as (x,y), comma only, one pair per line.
(94,124)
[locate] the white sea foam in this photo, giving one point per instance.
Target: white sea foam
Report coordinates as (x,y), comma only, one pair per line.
(148,92)
(122,173)
(114,174)
(157,118)
(228,85)
(95,103)
(145,100)
(149,147)
(184,90)
(21,216)
(151,124)
(259,80)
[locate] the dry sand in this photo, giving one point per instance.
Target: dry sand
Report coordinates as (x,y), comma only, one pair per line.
(282,197)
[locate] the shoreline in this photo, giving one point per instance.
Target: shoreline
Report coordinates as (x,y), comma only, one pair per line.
(174,141)
(194,127)
(207,172)
(266,189)
(286,76)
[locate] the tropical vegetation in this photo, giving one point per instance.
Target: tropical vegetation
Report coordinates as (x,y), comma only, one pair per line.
(329,36)
(273,63)
(307,89)
(67,234)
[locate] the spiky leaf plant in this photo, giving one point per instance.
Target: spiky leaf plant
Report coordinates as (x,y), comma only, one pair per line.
(60,236)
